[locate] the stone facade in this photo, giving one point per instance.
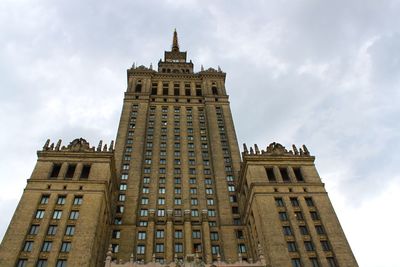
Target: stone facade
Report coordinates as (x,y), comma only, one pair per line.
(174,190)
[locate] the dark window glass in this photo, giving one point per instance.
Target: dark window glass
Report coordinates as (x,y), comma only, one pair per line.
(214,90)
(294,201)
(198,92)
(70,171)
(138,88)
(85,171)
(270,174)
(55,171)
(284,174)
(291,246)
(303,230)
(34,229)
(296,262)
(279,202)
(298,174)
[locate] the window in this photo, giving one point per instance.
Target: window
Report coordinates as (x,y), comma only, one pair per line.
(296,262)
(55,171)
(45,199)
(161,190)
(287,230)
(70,230)
(241,248)
(331,261)
(161,213)
(314,262)
(117,221)
(291,246)
(39,214)
(141,235)
(270,174)
(52,230)
(279,202)
(28,246)
(22,263)
(309,201)
(114,248)
(161,201)
(140,249)
(178,234)
(74,215)
(283,216)
(235,210)
(303,230)
(309,245)
(196,234)
(159,248)
(284,174)
(61,200)
(78,200)
(233,199)
(198,92)
(299,216)
(125,167)
(123,187)
(138,88)
(34,229)
(187,92)
(325,245)
(116,234)
(210,201)
(214,236)
(145,190)
(70,171)
(121,197)
(57,214)
(212,223)
(320,229)
(85,171)
(231,188)
(214,249)
(194,202)
(178,201)
(314,215)
(143,223)
(146,180)
(41,263)
(162,170)
(61,263)
(143,212)
(209,191)
(65,247)
(160,234)
(211,213)
(294,201)
(46,247)
(193,191)
(207,181)
(194,213)
(178,248)
(177,190)
(124,176)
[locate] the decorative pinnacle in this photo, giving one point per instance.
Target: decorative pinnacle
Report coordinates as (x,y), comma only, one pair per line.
(175,44)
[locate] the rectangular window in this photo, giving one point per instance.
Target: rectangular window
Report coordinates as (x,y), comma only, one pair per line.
(194,213)
(331,261)
(140,249)
(116,234)
(70,230)
(325,245)
(74,215)
(159,248)
(287,230)
(178,247)
(320,229)
(85,172)
(178,201)
(78,200)
(279,202)
(214,236)
(28,246)
(294,201)
(141,235)
(161,213)
(52,230)
(61,200)
(291,246)
(114,248)
(57,214)
(46,247)
(210,201)
(215,250)
(61,263)
(284,174)
(270,174)
(198,92)
(296,262)
(70,171)
(161,201)
(22,263)
(314,215)
(160,234)
(41,263)
(178,234)
(143,212)
(314,262)
(309,245)
(34,229)
(55,171)
(39,214)
(299,216)
(65,247)
(283,216)
(241,248)
(303,230)
(187,92)
(298,174)
(44,199)
(194,202)
(309,201)
(196,234)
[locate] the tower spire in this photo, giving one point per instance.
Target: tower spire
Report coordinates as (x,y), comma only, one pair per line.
(175,44)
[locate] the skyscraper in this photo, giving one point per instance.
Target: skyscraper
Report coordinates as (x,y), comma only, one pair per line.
(174,188)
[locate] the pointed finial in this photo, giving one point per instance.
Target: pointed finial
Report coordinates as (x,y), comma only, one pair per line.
(256,149)
(306,152)
(151,66)
(245,148)
(202,68)
(105,148)
(175,44)
(58,145)
(251,151)
(219,68)
(100,145)
(133,65)
(51,146)
(295,151)
(46,145)
(111,146)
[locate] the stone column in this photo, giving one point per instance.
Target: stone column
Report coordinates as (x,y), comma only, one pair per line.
(150,236)
(188,233)
(206,237)
(169,239)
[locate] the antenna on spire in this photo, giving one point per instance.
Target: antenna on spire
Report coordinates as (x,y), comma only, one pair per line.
(175,44)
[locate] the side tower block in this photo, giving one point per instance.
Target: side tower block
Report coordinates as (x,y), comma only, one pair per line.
(65,210)
(287,210)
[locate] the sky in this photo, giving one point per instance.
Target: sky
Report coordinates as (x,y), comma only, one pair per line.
(321,73)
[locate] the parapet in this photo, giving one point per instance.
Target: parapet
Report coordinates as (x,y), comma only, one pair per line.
(276,149)
(77,145)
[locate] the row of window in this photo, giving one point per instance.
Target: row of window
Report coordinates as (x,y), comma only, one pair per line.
(296,262)
(177,212)
(52,230)
(41,263)
(178,248)
(272,177)
(46,246)
(61,200)
(70,173)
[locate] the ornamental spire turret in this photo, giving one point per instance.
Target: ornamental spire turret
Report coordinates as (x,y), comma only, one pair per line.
(175,44)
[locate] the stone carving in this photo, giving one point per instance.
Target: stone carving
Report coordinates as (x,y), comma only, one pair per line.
(77,145)
(276,149)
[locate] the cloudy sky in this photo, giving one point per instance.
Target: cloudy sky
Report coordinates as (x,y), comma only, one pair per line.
(321,73)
